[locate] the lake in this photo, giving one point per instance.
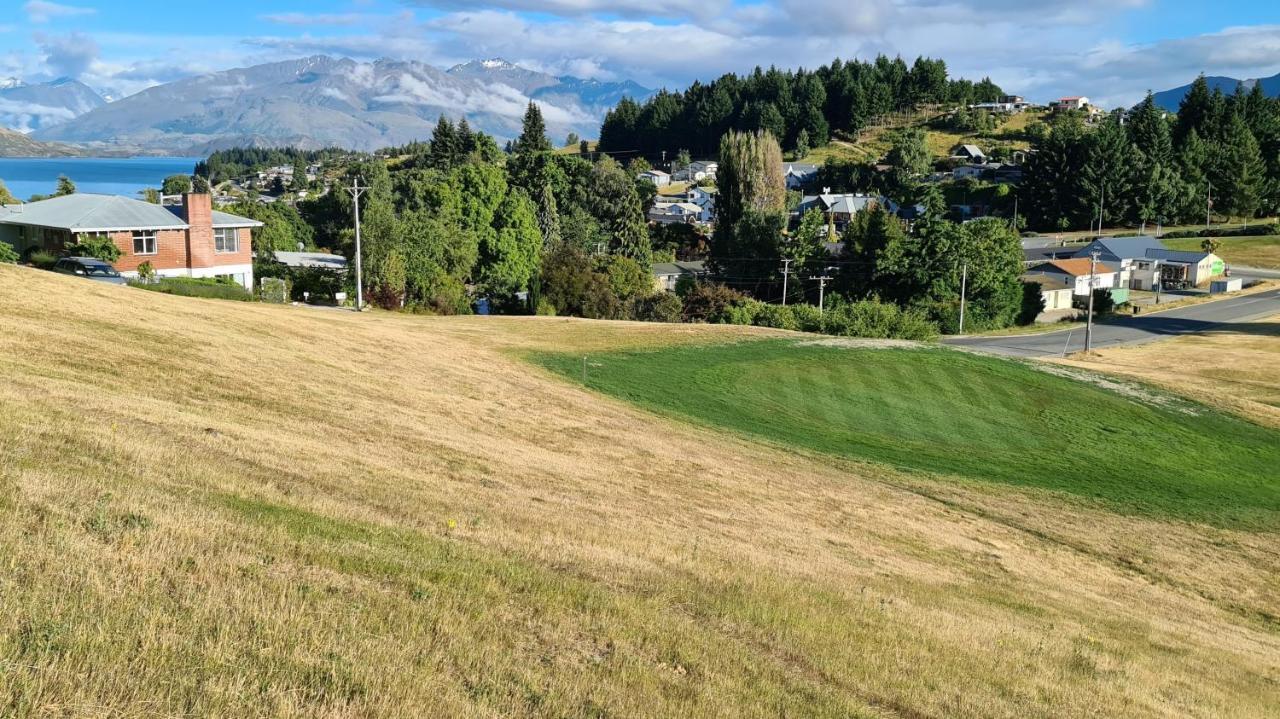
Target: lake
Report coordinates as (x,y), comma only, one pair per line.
(103,175)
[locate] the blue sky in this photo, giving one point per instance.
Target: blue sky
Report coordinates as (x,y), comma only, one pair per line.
(1110,50)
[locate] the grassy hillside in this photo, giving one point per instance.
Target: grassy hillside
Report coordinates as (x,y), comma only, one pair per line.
(16,144)
(1261,251)
(225,509)
(873,142)
(910,408)
(1235,366)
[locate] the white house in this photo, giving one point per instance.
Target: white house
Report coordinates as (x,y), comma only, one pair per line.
(1057,294)
(1069,103)
(657,177)
(697,171)
(1076,274)
(705,198)
(673,213)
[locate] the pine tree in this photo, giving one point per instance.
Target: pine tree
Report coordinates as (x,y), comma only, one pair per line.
(65,186)
(533,137)
(445,151)
(548,217)
(1240,174)
(616,205)
(1150,132)
(1195,112)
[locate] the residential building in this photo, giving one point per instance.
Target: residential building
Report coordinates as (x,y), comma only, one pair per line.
(1064,104)
(840,208)
(799,175)
(970,153)
(1077,274)
(190,239)
(667,274)
(705,198)
(1144,260)
(673,213)
(657,177)
(1057,293)
(699,170)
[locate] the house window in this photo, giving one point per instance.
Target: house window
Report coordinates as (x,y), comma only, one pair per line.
(144,242)
(226,240)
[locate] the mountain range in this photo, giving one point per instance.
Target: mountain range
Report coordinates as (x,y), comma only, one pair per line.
(26,108)
(323,101)
(1169,99)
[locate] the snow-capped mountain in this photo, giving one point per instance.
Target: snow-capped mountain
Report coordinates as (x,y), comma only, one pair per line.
(323,101)
(29,107)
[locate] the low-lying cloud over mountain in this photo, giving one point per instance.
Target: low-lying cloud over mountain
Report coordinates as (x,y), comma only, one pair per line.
(26,107)
(322,101)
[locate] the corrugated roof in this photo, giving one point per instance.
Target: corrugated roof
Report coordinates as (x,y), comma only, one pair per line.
(679,268)
(312,259)
(1189,257)
(83,212)
(1123,248)
(1077,267)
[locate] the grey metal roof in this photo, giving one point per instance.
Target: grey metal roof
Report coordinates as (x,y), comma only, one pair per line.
(83,212)
(312,259)
(662,269)
(1190,257)
(220,218)
(1122,248)
(799,168)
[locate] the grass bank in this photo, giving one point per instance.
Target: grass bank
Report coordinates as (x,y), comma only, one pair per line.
(949,412)
(239,509)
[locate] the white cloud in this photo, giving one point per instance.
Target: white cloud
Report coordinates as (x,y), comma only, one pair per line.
(41,11)
(305,19)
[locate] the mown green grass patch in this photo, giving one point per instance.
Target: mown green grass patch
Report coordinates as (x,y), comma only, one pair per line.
(954,413)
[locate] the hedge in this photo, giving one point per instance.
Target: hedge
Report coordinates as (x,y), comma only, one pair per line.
(192,287)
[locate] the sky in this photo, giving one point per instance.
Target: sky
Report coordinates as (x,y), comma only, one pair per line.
(1109,50)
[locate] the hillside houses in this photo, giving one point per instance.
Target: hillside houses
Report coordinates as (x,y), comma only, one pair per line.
(840,208)
(799,175)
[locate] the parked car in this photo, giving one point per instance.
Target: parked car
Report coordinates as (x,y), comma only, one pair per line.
(91,268)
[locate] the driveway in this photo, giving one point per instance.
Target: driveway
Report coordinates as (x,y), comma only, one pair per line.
(1236,313)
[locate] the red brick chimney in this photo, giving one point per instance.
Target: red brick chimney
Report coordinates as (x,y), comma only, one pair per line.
(198,212)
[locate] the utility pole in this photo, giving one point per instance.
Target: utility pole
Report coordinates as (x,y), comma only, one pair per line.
(1088,327)
(786,270)
(1102,198)
(822,294)
(1208,205)
(964,286)
(356,191)
(1015,214)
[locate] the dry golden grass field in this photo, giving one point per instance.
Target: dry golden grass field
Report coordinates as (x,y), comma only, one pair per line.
(236,510)
(1227,367)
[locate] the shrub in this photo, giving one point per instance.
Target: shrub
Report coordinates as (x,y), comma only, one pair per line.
(146,271)
(545,308)
(191,287)
(710,302)
(1032,303)
(745,311)
(660,307)
(43,260)
(807,318)
(99,246)
(271,289)
(7,254)
(778,317)
(1103,302)
(878,320)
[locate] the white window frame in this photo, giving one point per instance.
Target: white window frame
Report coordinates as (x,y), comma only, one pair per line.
(220,240)
(144,236)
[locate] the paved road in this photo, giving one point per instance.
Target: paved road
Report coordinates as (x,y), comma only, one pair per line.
(1130,330)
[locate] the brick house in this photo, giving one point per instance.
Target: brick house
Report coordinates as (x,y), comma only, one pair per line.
(187,240)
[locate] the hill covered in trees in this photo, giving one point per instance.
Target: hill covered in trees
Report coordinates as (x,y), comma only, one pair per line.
(802,109)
